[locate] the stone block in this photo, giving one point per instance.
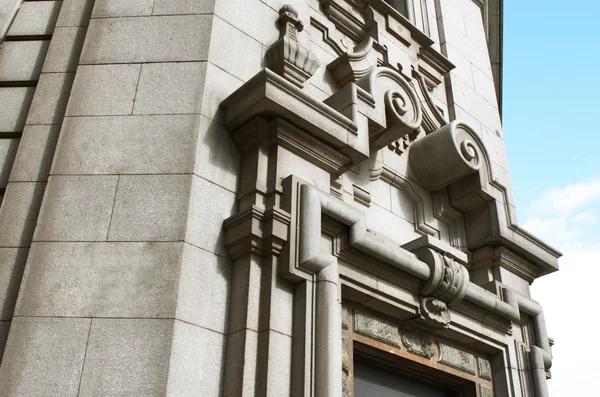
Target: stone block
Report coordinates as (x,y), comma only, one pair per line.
(210,205)
(127,145)
(34,157)
(463,68)
(22,60)
(103,90)
(119,8)
(181,7)
(76,208)
(75,13)
(279,363)
(35,18)
(19,212)
(256,19)
(196,364)
(402,204)
(217,156)
(147,39)
(381,194)
(101,280)
(484,85)
(389,224)
(218,85)
(204,288)
(8,151)
(50,101)
(241,357)
(63,54)
(243,57)
(4,329)
(12,264)
(170,88)
(127,357)
(35,346)
(150,208)
(15,105)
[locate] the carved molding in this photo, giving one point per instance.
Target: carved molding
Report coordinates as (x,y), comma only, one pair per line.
(352,17)
(485,368)
(376,328)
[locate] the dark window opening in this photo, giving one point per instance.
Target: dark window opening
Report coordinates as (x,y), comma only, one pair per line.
(399,5)
(374,381)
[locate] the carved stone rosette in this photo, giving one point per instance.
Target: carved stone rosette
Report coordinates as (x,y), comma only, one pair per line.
(286,56)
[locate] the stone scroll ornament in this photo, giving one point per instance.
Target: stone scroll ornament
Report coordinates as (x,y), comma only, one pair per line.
(401,111)
(286,56)
(446,155)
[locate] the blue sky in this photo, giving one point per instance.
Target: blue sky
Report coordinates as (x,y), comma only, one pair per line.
(552,136)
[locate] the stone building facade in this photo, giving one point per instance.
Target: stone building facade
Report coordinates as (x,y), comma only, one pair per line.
(248,198)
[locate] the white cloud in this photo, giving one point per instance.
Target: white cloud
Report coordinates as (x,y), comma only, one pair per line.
(566,217)
(568,199)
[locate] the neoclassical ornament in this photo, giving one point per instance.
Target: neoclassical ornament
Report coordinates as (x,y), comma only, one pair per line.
(286,56)
(435,310)
(446,155)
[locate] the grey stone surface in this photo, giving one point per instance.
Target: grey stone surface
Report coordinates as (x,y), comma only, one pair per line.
(418,343)
(256,19)
(16,102)
(103,90)
(218,85)
(204,289)
(50,101)
(35,18)
(456,358)
(244,55)
(44,357)
(75,13)
(218,166)
(22,60)
(169,7)
(8,152)
(127,145)
(4,329)
(127,357)
(18,213)
(147,39)
(210,205)
(36,149)
(12,264)
(101,280)
(150,208)
(117,8)
(376,328)
(63,54)
(170,88)
(196,363)
(76,208)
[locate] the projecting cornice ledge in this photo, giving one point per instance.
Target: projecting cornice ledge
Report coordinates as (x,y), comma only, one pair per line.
(454,157)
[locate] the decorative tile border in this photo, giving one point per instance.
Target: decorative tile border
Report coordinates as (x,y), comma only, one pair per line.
(345,354)
(457,358)
(418,344)
(345,314)
(485,391)
(376,328)
(485,369)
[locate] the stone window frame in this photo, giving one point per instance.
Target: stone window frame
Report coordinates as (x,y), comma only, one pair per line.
(403,347)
